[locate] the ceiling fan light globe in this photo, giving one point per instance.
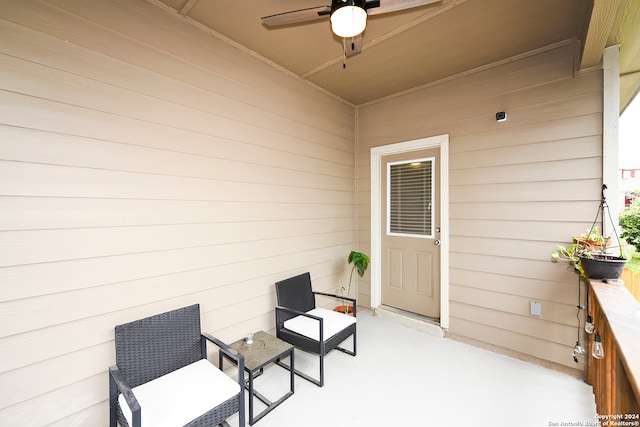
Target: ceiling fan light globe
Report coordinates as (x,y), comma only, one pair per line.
(348,21)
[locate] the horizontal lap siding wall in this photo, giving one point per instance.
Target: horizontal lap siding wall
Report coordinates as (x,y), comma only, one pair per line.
(146,165)
(517,189)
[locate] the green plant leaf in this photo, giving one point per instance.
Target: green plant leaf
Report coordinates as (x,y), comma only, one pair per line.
(629,221)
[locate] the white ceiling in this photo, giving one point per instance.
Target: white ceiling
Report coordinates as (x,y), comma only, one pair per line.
(402,50)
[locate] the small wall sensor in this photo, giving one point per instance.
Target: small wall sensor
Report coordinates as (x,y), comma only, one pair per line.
(501,116)
(536,308)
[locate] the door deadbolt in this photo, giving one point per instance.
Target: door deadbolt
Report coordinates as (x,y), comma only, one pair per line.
(437,242)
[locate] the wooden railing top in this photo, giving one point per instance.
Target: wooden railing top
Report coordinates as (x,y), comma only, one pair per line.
(623,314)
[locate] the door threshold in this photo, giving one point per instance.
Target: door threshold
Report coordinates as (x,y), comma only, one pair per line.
(415,321)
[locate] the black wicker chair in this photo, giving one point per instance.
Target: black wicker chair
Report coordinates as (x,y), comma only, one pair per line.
(315,330)
(162,375)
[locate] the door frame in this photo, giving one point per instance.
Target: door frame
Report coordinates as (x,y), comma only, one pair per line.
(439,141)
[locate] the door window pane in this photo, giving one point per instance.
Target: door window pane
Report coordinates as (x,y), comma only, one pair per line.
(410,198)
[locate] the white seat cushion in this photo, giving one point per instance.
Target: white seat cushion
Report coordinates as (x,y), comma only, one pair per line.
(333,322)
(179,397)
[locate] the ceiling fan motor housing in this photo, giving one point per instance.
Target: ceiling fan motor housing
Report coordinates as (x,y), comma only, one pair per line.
(337,4)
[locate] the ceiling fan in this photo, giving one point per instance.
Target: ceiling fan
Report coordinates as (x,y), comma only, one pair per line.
(348,17)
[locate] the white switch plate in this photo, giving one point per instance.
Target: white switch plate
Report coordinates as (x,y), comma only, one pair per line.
(536,308)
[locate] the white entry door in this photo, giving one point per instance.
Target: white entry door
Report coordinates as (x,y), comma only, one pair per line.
(410,232)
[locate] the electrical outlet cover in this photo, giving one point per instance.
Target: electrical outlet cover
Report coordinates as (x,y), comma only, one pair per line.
(536,308)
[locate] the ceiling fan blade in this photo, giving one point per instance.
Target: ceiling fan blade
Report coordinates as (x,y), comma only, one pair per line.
(352,45)
(295,16)
(387,6)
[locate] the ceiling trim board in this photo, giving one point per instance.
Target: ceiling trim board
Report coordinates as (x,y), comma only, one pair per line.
(474,70)
(187,7)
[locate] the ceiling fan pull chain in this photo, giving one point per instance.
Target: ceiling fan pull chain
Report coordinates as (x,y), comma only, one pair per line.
(344,53)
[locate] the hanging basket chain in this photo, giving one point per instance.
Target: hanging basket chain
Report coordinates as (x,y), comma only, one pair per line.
(601,210)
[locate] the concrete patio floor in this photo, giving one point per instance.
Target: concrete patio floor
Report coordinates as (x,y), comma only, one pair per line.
(405,377)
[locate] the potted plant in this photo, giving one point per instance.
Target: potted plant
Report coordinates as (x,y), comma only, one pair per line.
(360,263)
(592,240)
(589,257)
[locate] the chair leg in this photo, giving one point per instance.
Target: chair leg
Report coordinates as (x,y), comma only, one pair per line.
(355,348)
(349,352)
(113,402)
(321,370)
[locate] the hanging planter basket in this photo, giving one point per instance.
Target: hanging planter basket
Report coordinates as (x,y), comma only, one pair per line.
(591,253)
(603,266)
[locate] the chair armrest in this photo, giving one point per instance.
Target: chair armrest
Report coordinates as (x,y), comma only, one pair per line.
(238,360)
(320,320)
(230,353)
(293,311)
(353,300)
(119,385)
(285,313)
(298,312)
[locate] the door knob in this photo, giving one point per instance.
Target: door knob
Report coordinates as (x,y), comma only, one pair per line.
(436,242)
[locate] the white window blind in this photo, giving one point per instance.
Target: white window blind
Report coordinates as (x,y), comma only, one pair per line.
(410,197)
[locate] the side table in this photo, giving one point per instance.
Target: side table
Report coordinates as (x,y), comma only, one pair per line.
(264,350)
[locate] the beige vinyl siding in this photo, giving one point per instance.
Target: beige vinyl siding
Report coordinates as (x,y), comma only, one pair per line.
(146,165)
(517,189)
